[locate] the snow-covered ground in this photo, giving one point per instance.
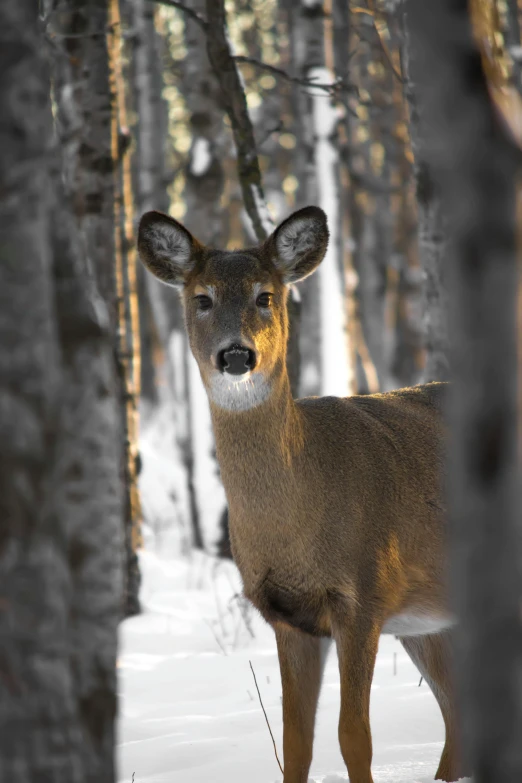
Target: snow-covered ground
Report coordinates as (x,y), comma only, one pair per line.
(189,709)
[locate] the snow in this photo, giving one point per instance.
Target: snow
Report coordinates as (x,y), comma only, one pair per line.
(189,709)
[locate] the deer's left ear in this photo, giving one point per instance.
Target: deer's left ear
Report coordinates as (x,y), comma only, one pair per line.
(298,245)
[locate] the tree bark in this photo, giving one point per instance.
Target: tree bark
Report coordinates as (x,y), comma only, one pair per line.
(95,141)
(151,178)
(60,507)
(128,332)
(432,227)
(234,103)
(476,163)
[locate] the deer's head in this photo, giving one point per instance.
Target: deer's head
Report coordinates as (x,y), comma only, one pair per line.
(235,301)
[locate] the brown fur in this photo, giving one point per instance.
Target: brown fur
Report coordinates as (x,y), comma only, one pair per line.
(336,519)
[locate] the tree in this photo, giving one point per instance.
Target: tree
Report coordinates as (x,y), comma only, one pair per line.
(92,129)
(431,224)
(61,506)
(475,164)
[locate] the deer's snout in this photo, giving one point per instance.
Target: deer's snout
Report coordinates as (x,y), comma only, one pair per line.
(236,359)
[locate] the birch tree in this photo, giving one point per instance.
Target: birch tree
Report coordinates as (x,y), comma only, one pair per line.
(336,375)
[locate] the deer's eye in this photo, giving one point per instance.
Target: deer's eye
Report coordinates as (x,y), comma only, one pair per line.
(264,299)
(204,302)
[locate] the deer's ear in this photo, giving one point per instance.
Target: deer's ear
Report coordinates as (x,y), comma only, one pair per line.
(167,248)
(298,245)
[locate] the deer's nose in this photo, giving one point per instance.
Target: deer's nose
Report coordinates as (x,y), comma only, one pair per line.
(236,360)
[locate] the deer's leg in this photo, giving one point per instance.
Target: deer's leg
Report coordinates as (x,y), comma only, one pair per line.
(301,660)
(432,657)
(357,649)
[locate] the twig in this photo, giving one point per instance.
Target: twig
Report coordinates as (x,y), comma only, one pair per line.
(332,89)
(188,11)
(216,637)
(420,681)
(266,717)
(383,45)
(276,129)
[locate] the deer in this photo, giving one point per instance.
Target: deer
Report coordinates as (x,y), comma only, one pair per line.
(336,511)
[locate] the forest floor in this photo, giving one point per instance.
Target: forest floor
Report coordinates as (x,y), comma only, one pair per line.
(189,709)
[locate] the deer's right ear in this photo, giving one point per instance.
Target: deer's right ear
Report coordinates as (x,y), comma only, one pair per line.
(166,248)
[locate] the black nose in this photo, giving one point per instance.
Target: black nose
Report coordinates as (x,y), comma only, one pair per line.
(236,360)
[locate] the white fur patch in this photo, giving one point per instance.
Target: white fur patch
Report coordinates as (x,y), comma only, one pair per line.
(170,243)
(246,392)
(417,624)
(295,239)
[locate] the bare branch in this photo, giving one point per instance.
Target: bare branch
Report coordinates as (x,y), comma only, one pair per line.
(187,11)
(332,89)
(266,717)
(383,45)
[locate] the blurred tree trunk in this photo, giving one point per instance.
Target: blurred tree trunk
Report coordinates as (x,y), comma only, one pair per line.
(151,171)
(95,139)
(432,228)
(128,312)
(60,499)
(206,218)
(306,40)
(341,57)
(513,42)
(336,374)
(477,165)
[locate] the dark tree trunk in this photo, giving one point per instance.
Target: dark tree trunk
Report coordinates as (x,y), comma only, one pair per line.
(512,39)
(476,165)
(150,175)
(432,228)
(60,499)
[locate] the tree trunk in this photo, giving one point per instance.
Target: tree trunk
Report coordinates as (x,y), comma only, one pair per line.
(151,170)
(92,129)
(432,228)
(206,218)
(336,376)
(512,39)
(60,507)
(476,164)
(125,258)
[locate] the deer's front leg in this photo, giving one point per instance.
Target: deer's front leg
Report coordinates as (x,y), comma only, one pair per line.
(301,660)
(357,649)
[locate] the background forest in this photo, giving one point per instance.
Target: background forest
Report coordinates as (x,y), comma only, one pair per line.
(228,115)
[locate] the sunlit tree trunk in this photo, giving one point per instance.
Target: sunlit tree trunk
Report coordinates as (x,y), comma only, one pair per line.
(127,297)
(476,164)
(60,507)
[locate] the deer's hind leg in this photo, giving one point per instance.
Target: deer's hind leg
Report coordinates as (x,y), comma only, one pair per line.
(301,661)
(432,655)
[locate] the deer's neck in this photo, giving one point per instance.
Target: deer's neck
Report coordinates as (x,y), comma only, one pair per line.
(257,447)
